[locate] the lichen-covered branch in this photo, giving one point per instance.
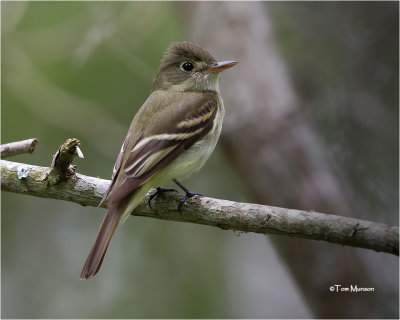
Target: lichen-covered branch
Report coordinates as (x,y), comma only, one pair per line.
(34,180)
(18,147)
(61,164)
(245,217)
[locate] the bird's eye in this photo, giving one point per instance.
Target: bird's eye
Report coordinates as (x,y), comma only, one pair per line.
(187,66)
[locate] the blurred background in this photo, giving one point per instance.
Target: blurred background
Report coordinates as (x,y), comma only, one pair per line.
(311,123)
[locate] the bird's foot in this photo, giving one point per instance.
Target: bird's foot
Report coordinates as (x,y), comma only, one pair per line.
(189,194)
(158,191)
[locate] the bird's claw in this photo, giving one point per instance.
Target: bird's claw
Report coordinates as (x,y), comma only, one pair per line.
(188,195)
(157,192)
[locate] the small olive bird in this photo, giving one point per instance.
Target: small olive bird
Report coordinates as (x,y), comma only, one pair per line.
(171,136)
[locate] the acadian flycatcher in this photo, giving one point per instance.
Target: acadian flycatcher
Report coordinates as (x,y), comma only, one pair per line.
(172,135)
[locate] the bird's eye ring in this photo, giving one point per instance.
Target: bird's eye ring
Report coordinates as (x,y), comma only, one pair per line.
(187,66)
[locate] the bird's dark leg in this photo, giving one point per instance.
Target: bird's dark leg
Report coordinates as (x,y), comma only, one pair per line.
(188,195)
(158,191)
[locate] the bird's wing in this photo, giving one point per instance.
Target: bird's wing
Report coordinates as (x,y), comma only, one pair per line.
(155,149)
(117,166)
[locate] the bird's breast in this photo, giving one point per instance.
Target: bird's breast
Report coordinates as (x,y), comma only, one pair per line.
(194,158)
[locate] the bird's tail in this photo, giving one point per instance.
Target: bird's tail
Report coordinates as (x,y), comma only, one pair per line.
(96,255)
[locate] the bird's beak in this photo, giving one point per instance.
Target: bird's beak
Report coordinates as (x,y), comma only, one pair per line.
(221,66)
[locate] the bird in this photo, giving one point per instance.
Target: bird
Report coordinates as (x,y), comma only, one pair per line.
(170,137)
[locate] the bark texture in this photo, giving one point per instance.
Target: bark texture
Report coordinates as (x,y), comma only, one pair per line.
(224,214)
(19,147)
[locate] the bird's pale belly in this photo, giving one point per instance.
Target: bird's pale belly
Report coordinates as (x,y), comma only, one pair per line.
(196,156)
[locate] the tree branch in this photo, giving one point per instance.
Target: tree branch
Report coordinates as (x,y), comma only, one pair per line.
(19,147)
(224,214)
(61,167)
